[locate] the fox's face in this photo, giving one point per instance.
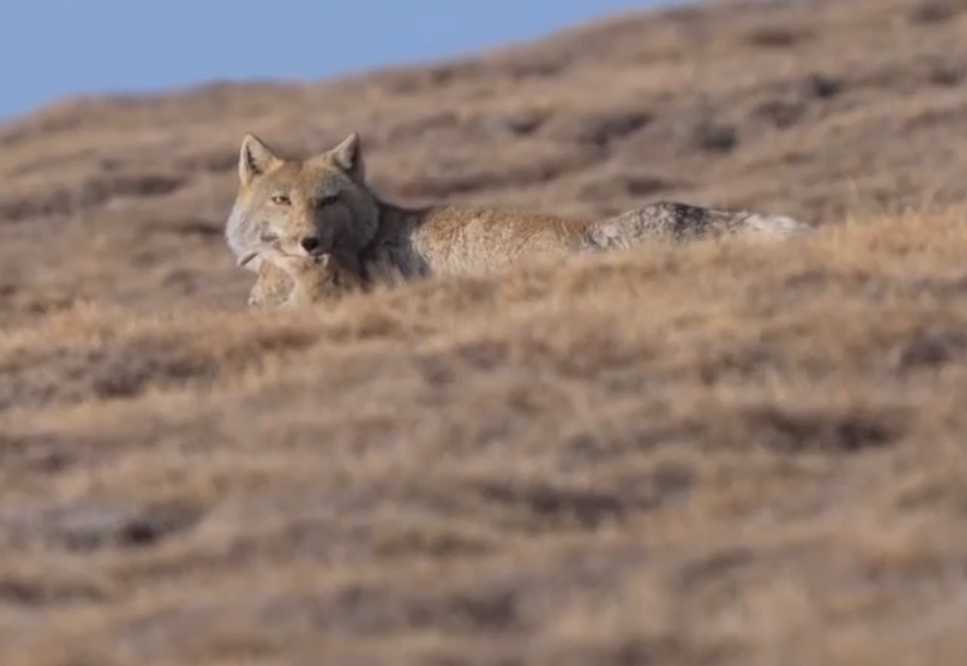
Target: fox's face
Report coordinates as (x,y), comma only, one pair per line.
(300,209)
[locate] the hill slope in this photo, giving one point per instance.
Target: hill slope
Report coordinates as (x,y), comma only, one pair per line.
(729,454)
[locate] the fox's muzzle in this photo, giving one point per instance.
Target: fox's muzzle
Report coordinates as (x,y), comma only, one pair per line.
(313,246)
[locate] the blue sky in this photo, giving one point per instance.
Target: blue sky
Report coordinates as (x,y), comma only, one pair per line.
(53,48)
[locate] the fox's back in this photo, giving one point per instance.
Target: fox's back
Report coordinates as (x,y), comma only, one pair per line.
(461,239)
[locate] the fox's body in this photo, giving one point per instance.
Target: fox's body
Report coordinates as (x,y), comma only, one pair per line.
(290,213)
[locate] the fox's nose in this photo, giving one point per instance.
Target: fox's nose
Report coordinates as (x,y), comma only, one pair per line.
(310,244)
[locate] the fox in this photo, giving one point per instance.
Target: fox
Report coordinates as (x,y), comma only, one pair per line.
(313,228)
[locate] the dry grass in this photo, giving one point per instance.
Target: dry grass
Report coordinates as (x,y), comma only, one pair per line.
(736,453)
(727,454)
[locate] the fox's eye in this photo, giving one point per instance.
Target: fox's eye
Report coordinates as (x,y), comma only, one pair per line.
(280,200)
(327,201)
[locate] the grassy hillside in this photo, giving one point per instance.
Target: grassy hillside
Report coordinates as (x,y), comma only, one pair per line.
(725,455)
(734,453)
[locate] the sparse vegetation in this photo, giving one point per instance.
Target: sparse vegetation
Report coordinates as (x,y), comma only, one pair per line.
(730,453)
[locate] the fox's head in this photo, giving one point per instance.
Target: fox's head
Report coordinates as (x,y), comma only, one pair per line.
(300,208)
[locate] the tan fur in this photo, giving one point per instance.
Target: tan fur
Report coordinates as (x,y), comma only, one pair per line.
(272,288)
(304,282)
(289,213)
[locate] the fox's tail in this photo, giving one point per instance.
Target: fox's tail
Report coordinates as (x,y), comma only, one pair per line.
(682,222)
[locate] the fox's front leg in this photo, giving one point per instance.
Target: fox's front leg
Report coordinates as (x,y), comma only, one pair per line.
(322,279)
(272,289)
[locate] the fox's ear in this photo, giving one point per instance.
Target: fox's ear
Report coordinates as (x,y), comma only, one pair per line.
(255,158)
(349,155)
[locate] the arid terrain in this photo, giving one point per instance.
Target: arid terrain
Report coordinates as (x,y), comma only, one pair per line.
(726,454)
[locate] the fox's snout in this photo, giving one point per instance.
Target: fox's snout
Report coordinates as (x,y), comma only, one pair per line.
(312,245)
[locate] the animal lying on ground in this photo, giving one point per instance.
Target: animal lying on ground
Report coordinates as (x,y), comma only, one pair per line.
(313,229)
